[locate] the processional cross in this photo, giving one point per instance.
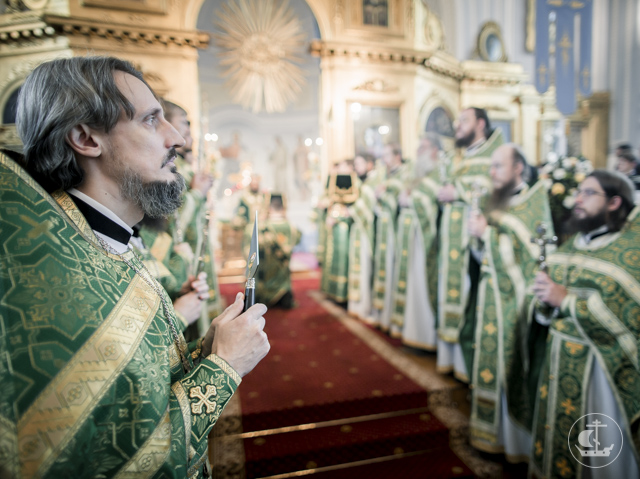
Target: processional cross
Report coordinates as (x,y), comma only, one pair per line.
(542,240)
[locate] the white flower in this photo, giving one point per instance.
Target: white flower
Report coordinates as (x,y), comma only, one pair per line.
(585,167)
(552,157)
(559,174)
(569,201)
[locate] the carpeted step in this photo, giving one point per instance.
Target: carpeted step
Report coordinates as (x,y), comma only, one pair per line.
(345,443)
(420,465)
(332,410)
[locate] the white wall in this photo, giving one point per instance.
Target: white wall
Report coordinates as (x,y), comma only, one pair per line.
(615,43)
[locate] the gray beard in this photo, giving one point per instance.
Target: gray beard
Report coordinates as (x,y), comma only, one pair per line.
(157,199)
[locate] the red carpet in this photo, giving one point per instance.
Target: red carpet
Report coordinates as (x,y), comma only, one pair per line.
(376,419)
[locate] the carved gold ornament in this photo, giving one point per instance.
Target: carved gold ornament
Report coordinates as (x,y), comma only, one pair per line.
(261,42)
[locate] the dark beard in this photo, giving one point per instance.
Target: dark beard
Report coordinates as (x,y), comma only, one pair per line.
(155,224)
(584,225)
(500,197)
(465,141)
(157,199)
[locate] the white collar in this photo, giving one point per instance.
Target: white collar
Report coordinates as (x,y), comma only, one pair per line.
(118,246)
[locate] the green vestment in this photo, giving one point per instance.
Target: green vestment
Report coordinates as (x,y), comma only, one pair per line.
(383,256)
(599,322)
(419,218)
(508,267)
(190,222)
(249,204)
(276,240)
(454,238)
(92,383)
(361,237)
(164,264)
(335,267)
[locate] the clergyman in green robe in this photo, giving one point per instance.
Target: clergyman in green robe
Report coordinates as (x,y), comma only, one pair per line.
(191,223)
(501,408)
(590,373)
(155,248)
(343,191)
(416,264)
(97,380)
(361,238)
(458,273)
(276,239)
(386,211)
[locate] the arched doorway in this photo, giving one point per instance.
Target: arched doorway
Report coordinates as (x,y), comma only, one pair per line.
(259,92)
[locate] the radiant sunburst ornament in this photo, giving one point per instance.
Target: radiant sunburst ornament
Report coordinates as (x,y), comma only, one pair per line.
(262,42)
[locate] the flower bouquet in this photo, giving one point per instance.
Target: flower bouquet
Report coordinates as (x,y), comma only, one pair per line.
(563,175)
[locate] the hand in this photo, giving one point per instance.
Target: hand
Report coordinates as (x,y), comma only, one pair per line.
(201,182)
(447,193)
(237,337)
(477,225)
(199,285)
(190,306)
(547,291)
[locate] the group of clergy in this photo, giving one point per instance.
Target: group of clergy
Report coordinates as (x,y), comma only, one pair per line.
(277,237)
(178,250)
(456,254)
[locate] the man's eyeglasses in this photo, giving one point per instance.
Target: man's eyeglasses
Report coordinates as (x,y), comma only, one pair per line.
(588,193)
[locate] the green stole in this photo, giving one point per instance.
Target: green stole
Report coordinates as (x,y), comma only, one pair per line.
(453,256)
(93,384)
(421,217)
(509,266)
(362,230)
(387,214)
(335,269)
(190,221)
(276,239)
(599,321)
(164,263)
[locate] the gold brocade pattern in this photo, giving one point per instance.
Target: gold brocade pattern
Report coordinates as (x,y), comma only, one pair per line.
(53,419)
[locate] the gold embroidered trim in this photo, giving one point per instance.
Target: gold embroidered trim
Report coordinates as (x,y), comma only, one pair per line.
(228,370)
(56,415)
(152,455)
(185,409)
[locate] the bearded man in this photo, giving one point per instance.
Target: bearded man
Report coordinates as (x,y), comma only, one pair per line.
(500,407)
(458,272)
(190,221)
(97,378)
(591,362)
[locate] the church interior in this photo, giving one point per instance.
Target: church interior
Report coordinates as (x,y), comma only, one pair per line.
(281,96)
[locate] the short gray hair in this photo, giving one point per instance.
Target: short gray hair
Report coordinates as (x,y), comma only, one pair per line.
(57,96)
